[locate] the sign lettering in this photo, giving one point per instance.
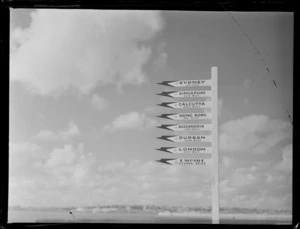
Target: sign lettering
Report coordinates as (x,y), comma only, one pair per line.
(186,116)
(187,94)
(186,138)
(186,83)
(185,161)
(184,105)
(187,127)
(186,149)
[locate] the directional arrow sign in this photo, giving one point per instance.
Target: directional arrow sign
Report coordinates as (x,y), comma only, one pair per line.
(186,83)
(186,138)
(186,94)
(186,116)
(187,127)
(185,161)
(186,149)
(183,105)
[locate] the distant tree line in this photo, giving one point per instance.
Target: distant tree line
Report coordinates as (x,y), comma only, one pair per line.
(156,208)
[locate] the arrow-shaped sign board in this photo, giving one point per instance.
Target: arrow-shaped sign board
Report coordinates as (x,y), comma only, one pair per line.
(187,94)
(186,83)
(186,116)
(187,138)
(186,149)
(187,127)
(185,105)
(186,161)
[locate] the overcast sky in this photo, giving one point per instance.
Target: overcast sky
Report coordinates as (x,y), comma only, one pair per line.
(83,88)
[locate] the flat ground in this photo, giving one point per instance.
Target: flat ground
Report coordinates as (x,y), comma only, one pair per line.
(143,217)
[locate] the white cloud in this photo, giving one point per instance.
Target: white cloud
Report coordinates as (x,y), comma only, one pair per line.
(61,157)
(64,135)
(243,177)
(15,148)
(259,202)
(263,164)
(286,165)
(46,135)
(132,120)
(220,106)
(150,110)
(247,84)
(256,133)
(41,116)
(273,179)
(22,156)
(161,60)
(70,177)
(98,102)
(225,188)
(269,141)
(68,164)
(113,166)
(227,161)
(240,188)
(242,182)
(64,49)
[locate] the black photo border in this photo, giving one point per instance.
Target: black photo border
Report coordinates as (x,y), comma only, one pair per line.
(176,5)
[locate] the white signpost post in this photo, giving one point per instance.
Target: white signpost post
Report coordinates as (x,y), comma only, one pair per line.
(213,127)
(215,147)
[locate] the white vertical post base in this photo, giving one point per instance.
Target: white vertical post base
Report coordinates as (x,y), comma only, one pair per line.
(215,220)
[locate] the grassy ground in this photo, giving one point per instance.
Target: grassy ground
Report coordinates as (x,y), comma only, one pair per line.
(145,217)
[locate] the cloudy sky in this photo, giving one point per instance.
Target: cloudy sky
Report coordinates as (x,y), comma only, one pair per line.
(83,88)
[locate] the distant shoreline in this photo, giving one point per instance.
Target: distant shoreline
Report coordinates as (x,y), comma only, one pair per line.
(223,215)
(157,209)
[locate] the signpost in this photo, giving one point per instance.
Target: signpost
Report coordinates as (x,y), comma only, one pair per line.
(186,105)
(186,116)
(186,150)
(209,114)
(186,94)
(187,138)
(215,148)
(186,83)
(186,161)
(187,127)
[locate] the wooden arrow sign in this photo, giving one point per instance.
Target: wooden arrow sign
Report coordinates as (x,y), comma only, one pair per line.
(186,138)
(186,83)
(187,127)
(185,161)
(186,116)
(186,105)
(186,94)
(186,149)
